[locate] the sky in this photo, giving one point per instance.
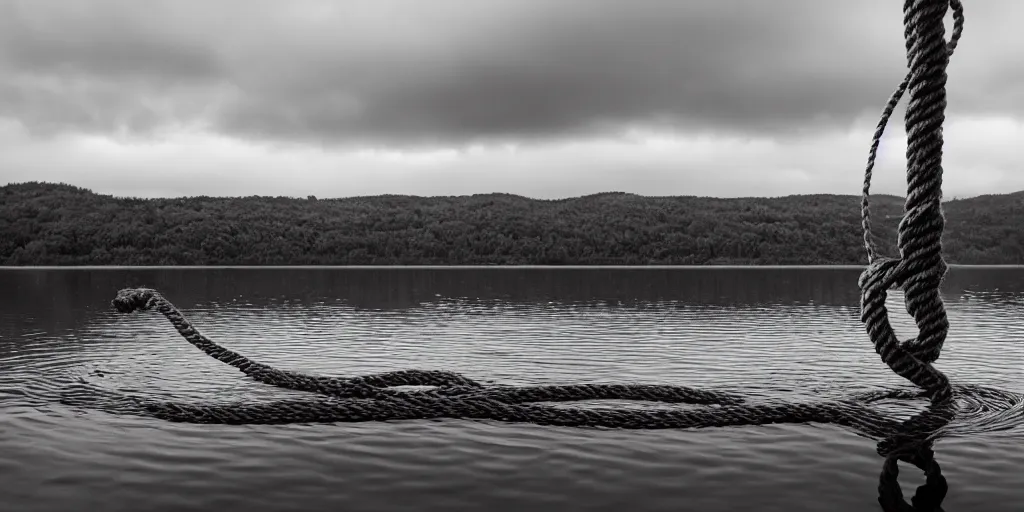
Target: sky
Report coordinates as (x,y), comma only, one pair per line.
(541,98)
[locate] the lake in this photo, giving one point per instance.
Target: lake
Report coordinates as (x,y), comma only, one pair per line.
(784,333)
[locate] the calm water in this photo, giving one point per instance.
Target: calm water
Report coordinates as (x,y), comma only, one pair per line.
(791,333)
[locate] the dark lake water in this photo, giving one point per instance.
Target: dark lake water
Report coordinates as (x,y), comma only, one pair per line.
(788,333)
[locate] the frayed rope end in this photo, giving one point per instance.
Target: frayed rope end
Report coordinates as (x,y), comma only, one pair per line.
(131,299)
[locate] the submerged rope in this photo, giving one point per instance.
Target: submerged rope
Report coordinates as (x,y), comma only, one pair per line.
(367,398)
(448,384)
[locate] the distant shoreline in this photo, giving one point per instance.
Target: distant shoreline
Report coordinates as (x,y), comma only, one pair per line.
(60,226)
(468,267)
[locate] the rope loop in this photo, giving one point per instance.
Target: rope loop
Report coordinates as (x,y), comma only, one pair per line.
(919,270)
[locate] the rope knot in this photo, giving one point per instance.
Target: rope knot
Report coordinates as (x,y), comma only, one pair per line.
(882,274)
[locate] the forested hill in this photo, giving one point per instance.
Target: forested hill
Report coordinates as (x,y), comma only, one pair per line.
(50,224)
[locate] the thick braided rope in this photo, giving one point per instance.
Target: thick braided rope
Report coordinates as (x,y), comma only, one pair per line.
(349,410)
(920,269)
(368,398)
(910,440)
(375,386)
(865,208)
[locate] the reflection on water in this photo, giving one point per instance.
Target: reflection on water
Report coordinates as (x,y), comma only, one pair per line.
(789,333)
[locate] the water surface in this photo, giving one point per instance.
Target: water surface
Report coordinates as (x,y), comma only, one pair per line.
(785,333)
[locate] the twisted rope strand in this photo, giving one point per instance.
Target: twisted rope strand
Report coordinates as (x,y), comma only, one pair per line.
(448,384)
(890,106)
(368,399)
(920,269)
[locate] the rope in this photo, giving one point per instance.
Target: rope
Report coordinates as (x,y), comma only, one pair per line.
(448,384)
(920,268)
(890,106)
(367,398)
(918,272)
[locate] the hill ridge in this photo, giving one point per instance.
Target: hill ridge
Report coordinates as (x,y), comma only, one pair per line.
(61,224)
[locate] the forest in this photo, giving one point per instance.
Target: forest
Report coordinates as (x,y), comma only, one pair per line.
(58,224)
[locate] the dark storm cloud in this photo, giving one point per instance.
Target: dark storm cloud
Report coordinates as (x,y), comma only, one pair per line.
(97,66)
(100,43)
(449,72)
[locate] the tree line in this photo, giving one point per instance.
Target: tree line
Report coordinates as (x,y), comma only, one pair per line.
(59,224)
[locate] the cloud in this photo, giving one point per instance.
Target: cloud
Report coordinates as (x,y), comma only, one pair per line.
(534,97)
(982,157)
(448,73)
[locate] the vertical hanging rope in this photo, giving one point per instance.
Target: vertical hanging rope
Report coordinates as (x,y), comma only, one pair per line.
(890,106)
(920,268)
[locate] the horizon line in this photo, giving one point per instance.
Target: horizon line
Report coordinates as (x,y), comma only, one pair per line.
(567,198)
(473,267)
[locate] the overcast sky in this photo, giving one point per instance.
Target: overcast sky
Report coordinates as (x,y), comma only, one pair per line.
(544,98)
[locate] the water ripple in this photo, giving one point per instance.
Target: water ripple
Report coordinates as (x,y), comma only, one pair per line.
(60,458)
